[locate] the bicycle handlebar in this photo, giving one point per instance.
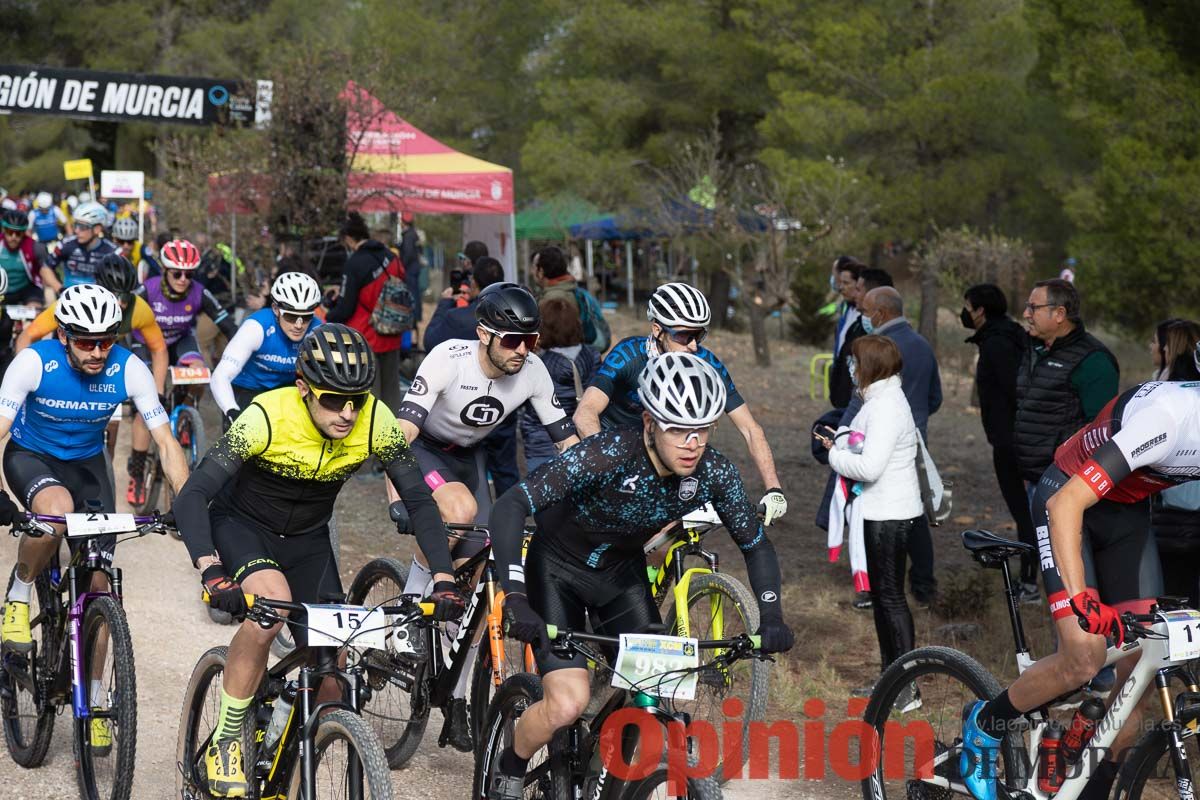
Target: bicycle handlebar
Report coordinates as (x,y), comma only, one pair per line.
(253,600)
(37,525)
(555,633)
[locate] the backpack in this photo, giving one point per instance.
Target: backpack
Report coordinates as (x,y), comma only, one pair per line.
(596,333)
(393,311)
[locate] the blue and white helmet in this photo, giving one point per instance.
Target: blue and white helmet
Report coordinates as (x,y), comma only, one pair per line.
(682,390)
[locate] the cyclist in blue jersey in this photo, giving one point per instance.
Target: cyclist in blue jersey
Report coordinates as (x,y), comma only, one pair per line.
(81,254)
(47,220)
(595,506)
(56,401)
(262,354)
(679,317)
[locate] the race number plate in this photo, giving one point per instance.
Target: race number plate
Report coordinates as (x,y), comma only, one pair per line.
(1183,634)
(644,658)
(182,376)
(79,525)
(332,625)
(21,313)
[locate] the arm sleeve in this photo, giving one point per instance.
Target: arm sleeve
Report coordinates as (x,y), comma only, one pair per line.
(24,375)
(240,349)
(387,442)
(1096,381)
(42,325)
(545,403)
(139,386)
(246,438)
(432,379)
(612,374)
(347,300)
(878,445)
(734,508)
(437,331)
(145,322)
(733,398)
(217,313)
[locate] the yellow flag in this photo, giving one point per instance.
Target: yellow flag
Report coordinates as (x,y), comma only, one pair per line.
(78,170)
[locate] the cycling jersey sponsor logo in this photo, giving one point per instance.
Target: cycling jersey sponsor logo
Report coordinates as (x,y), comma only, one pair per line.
(276,359)
(554,401)
(1144,446)
(457,348)
(112,370)
(102,388)
(51,365)
(1096,478)
(1044,552)
(271,331)
(419,387)
(467,388)
(482,412)
(688,488)
(1146,389)
(1185,453)
(629,485)
(769,597)
(8,402)
(74,405)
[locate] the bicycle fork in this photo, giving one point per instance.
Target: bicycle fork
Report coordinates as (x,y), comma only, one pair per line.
(1179,759)
(80,704)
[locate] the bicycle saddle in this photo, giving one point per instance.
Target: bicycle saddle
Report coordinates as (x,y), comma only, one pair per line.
(990,549)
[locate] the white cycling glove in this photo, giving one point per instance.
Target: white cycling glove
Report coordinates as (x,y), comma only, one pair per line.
(776,505)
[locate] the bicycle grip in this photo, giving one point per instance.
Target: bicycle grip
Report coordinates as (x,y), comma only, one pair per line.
(552,632)
(756,641)
(426,609)
(205,596)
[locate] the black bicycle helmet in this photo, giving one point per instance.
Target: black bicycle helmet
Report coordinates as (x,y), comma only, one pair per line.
(337,358)
(508,308)
(14,220)
(117,274)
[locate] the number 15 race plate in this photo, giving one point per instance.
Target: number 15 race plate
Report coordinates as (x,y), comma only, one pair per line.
(332,625)
(1183,634)
(644,662)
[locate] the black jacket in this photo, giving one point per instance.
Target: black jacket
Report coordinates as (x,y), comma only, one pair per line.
(450,322)
(841,388)
(1002,344)
(362,267)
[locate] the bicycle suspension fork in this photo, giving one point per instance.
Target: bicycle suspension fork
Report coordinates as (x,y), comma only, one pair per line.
(1179,759)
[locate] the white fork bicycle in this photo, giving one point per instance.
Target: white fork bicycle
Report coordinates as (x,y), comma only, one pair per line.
(917,754)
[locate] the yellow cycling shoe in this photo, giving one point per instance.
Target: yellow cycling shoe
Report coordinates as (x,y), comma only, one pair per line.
(15,631)
(226,774)
(101,736)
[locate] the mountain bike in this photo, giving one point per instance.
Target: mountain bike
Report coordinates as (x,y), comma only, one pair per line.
(293,745)
(709,604)
(82,658)
(917,753)
(186,427)
(407,688)
(573,766)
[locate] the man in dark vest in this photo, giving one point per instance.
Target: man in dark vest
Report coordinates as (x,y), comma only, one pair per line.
(1066,378)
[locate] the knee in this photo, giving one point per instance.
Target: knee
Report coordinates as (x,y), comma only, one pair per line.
(1082,659)
(262,637)
(458,509)
(565,704)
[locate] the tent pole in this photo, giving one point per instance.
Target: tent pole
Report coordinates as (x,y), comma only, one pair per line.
(590,266)
(629,272)
(525,261)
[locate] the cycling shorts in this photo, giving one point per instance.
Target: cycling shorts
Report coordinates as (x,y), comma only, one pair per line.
(1120,559)
(306,560)
(615,598)
(185,347)
(28,472)
(450,464)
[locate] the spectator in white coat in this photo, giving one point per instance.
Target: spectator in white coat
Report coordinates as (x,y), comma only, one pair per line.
(891,495)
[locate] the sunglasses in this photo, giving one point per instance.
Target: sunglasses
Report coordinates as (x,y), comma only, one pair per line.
(88,345)
(683,437)
(126,242)
(294,318)
(179,274)
(336,402)
(511,341)
(685,337)
(8,232)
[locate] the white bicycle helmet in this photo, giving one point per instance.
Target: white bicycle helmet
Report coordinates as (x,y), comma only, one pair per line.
(125,229)
(90,214)
(88,309)
(678,305)
(683,390)
(296,292)
(44,200)
(3,282)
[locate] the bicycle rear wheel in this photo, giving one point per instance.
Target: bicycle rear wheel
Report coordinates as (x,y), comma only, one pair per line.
(152,479)
(926,741)
(28,728)
(105,746)
(201,708)
(189,431)
(720,607)
(398,710)
(657,787)
(547,776)
(350,760)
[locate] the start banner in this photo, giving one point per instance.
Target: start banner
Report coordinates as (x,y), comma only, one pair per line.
(90,94)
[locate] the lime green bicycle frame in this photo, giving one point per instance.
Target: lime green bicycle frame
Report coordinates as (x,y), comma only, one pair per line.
(687,543)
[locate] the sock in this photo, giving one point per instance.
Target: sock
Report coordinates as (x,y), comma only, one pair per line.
(96,688)
(512,764)
(137,462)
(998,715)
(20,591)
(233,712)
(464,680)
(1100,784)
(418,578)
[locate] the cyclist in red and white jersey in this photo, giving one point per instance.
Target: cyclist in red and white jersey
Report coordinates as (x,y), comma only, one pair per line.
(1098,558)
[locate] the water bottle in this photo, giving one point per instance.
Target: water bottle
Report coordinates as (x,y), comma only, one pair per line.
(1051,769)
(1082,726)
(279,717)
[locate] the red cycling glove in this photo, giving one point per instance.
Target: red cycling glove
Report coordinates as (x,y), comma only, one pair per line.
(1097,618)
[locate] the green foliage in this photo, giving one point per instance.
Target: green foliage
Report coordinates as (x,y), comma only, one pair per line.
(810,293)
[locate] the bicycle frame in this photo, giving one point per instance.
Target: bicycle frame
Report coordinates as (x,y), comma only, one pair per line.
(672,573)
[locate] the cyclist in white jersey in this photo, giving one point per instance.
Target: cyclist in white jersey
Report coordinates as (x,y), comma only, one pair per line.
(463,390)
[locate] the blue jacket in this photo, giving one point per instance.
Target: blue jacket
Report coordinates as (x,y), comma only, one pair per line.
(919,377)
(450,322)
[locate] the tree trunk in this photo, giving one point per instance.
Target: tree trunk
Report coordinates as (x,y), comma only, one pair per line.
(758,330)
(718,298)
(929,306)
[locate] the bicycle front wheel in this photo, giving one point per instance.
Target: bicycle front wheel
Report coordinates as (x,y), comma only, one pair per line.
(189,431)
(152,479)
(106,743)
(350,760)
(399,706)
(721,607)
(28,728)
(657,787)
(1148,771)
(916,710)
(201,708)
(483,687)
(546,777)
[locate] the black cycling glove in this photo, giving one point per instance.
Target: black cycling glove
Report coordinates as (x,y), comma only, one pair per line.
(776,636)
(9,512)
(224,593)
(230,416)
(448,602)
(521,621)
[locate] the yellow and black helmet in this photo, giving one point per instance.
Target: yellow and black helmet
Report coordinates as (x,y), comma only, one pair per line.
(337,358)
